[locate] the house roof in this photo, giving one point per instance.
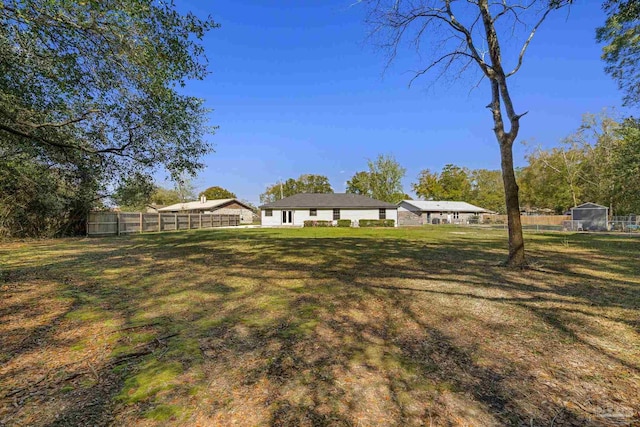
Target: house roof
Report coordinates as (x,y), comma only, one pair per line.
(589,205)
(444,206)
(198,205)
(329,201)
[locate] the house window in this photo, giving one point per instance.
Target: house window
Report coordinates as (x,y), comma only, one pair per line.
(268,212)
(313,212)
(336,214)
(456,215)
(382,214)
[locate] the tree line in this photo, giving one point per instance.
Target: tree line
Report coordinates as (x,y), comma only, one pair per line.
(599,163)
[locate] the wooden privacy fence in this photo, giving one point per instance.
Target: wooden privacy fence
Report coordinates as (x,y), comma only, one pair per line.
(117,223)
(532,219)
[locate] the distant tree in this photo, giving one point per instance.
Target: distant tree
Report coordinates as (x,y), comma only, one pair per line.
(216,192)
(309,183)
(544,181)
(487,190)
(185,188)
(428,186)
(621,33)
(598,138)
(165,197)
(456,36)
(452,183)
(455,183)
(134,193)
(626,166)
(305,183)
(385,179)
(594,164)
(359,184)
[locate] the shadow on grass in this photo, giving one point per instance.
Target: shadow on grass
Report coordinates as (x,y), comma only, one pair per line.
(327,327)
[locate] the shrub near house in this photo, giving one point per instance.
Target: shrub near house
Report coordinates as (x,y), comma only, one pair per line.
(376,223)
(315,223)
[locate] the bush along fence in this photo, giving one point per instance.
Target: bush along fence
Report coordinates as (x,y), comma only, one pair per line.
(349,223)
(119,223)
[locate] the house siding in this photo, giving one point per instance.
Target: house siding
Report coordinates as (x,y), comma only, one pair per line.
(302,215)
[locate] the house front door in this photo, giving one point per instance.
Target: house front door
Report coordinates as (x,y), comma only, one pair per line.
(287,217)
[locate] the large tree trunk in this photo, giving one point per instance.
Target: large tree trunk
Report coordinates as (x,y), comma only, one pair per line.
(516,240)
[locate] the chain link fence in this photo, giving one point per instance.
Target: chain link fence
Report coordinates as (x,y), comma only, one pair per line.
(621,224)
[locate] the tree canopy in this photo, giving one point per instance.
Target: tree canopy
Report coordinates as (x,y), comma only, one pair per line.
(621,33)
(597,163)
(216,192)
(359,184)
(306,183)
(481,187)
(383,180)
(89,93)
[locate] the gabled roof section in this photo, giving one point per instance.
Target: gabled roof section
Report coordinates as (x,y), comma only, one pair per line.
(589,205)
(329,201)
(198,205)
(444,206)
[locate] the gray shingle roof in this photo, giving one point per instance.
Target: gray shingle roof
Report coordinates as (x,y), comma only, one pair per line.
(329,201)
(446,206)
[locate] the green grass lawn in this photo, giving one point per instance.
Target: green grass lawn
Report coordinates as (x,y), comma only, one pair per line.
(316,327)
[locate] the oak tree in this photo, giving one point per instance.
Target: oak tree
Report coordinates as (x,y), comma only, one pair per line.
(90,92)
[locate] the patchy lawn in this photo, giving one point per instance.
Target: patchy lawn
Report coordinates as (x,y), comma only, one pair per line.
(320,327)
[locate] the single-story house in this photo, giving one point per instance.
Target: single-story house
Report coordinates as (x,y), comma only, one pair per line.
(297,209)
(420,212)
(590,217)
(219,206)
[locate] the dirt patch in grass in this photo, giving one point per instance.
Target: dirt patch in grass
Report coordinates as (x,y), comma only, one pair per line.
(320,327)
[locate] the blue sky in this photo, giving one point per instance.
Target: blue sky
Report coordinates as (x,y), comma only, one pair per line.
(296,88)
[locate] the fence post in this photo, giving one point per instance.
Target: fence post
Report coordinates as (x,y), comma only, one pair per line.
(141,223)
(88,218)
(118,223)
(159,222)
(176,221)
(188,221)
(200,221)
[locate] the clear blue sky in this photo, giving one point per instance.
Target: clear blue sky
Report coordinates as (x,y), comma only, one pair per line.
(296,88)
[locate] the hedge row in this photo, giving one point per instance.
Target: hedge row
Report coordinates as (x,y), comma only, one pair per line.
(347,223)
(316,223)
(376,223)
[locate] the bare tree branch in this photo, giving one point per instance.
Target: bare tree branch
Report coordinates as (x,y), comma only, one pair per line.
(528,41)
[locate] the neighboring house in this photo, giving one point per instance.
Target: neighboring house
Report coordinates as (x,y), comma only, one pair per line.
(590,217)
(420,212)
(297,209)
(219,206)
